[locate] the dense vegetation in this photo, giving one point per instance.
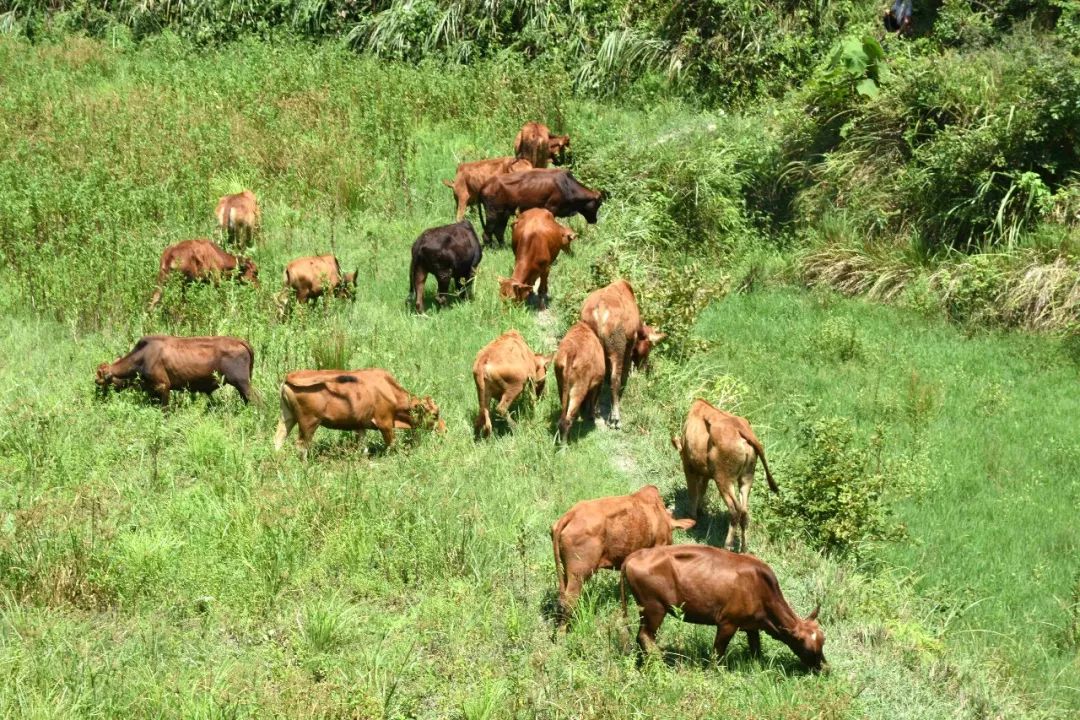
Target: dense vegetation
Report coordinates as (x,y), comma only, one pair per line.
(172,564)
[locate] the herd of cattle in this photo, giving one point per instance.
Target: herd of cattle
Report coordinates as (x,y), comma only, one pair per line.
(633,533)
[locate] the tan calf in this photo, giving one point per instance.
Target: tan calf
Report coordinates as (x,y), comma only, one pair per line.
(537,240)
(600,534)
(312,277)
(579,370)
(354,400)
(502,369)
(238,217)
(722,447)
(201,261)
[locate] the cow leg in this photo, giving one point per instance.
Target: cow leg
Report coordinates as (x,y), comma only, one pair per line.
(652,616)
(443,279)
(591,406)
(617,372)
(284,427)
(734,515)
(304,435)
(418,279)
(387,431)
(753,639)
(745,483)
(568,596)
(510,393)
(695,493)
(724,633)
(543,299)
(462,195)
(482,426)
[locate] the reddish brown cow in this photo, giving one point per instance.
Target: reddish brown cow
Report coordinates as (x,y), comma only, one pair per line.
(710,586)
(238,217)
(537,240)
(312,277)
(556,190)
(201,261)
(722,447)
(471,176)
(612,313)
(162,363)
(502,369)
(355,400)
(602,533)
(579,370)
(531,144)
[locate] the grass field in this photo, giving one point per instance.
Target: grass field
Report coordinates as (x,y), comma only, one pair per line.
(172,564)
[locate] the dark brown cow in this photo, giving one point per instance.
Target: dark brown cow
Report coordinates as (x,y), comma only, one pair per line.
(162,363)
(471,176)
(450,253)
(555,190)
(201,261)
(354,400)
(312,277)
(579,370)
(600,534)
(501,371)
(531,144)
(537,240)
(238,217)
(722,447)
(612,313)
(710,586)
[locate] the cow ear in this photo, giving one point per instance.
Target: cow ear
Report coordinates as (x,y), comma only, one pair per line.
(813,615)
(685,523)
(656,336)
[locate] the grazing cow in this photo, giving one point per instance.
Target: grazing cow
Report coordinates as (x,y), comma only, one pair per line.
(162,363)
(710,586)
(201,261)
(449,252)
(555,190)
(537,240)
(471,176)
(238,217)
(502,369)
(612,313)
(350,400)
(602,533)
(723,447)
(312,277)
(579,370)
(531,144)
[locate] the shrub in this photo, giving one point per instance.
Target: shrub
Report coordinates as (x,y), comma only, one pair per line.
(831,495)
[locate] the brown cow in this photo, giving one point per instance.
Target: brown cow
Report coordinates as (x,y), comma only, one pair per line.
(162,363)
(201,261)
(531,144)
(502,369)
(471,176)
(311,277)
(723,447)
(602,533)
(350,400)
(556,190)
(579,370)
(612,313)
(710,586)
(537,240)
(238,216)
(535,143)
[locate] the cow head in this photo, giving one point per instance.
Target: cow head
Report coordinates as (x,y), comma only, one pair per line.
(646,338)
(590,208)
(425,414)
(811,641)
(540,371)
(248,271)
(347,287)
(511,289)
(105,380)
(558,148)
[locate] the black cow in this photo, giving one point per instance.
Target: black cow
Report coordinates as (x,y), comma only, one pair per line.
(555,190)
(449,252)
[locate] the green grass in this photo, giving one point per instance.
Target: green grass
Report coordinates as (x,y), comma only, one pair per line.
(172,564)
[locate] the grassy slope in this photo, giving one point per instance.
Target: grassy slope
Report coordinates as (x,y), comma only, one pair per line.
(175,565)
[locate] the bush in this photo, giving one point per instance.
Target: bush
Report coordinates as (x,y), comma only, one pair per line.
(835,492)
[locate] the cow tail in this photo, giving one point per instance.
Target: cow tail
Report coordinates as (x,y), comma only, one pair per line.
(556,529)
(749,436)
(448,183)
